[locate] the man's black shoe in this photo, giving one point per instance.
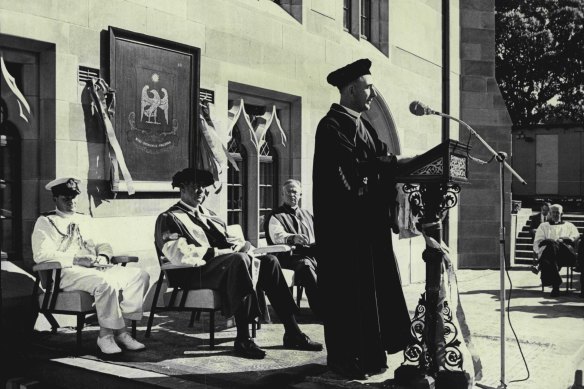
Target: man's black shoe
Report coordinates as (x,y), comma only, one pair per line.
(301,341)
(376,370)
(555,292)
(247,348)
(348,369)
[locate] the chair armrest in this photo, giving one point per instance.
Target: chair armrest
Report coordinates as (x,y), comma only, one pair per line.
(49,266)
(123,259)
(172,266)
(277,248)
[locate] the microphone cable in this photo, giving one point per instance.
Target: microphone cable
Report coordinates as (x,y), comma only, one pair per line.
(508,310)
(475,159)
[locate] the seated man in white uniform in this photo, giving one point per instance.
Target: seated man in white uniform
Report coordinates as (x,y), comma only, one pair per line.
(555,243)
(70,238)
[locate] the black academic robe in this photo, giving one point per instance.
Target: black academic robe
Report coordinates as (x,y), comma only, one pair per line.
(353,191)
(230,277)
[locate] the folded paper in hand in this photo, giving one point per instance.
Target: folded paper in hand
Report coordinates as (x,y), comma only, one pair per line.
(278,248)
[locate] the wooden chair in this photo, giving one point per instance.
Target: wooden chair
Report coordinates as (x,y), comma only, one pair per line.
(53,300)
(176,295)
(569,269)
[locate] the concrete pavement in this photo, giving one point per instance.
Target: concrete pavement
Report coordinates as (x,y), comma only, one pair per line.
(550,332)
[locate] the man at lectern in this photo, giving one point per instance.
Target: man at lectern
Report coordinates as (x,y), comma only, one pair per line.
(365,313)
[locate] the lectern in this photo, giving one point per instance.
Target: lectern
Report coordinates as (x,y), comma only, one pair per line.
(432,183)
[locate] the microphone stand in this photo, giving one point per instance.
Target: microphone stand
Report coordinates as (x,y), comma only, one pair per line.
(501,158)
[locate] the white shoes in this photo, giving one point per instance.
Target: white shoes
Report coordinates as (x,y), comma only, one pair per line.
(129,343)
(108,345)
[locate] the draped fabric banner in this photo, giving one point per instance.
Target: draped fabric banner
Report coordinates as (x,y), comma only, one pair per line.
(212,154)
(103,103)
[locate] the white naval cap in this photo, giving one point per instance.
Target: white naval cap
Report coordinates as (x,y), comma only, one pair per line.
(64,186)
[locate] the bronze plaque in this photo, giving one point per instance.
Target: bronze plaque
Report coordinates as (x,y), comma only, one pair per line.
(156,83)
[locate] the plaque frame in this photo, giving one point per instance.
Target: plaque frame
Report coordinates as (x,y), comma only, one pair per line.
(120,42)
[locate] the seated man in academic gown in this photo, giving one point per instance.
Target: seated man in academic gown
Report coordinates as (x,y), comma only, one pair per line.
(292,225)
(555,243)
(188,233)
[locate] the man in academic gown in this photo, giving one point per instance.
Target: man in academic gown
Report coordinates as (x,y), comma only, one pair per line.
(292,225)
(556,243)
(189,233)
(365,313)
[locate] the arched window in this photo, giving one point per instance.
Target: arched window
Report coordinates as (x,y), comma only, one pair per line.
(265,120)
(268,183)
(380,116)
(236,182)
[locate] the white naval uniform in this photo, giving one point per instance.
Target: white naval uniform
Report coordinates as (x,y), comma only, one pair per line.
(59,236)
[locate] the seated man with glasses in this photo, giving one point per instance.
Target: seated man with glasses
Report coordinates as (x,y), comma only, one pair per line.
(188,233)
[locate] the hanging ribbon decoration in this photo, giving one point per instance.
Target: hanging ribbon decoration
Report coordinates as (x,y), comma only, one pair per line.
(212,154)
(16,103)
(103,103)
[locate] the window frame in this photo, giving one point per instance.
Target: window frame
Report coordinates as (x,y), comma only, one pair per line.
(288,110)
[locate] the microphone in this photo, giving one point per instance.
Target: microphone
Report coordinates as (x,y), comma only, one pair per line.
(420,109)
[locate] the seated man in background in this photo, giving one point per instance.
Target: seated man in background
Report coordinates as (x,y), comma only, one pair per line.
(534,222)
(70,238)
(190,234)
(537,219)
(555,243)
(290,224)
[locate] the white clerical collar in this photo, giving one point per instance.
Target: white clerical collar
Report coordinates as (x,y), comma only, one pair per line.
(64,214)
(189,207)
(352,112)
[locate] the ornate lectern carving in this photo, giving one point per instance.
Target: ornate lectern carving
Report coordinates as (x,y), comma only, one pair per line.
(431,184)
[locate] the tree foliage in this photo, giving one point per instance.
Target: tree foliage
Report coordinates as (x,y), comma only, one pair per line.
(540,59)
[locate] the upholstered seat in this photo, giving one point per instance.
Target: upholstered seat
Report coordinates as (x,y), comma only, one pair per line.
(53,300)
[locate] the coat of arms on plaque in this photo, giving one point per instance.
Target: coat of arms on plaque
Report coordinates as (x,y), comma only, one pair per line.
(153,128)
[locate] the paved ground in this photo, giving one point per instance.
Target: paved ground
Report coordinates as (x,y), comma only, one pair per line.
(550,331)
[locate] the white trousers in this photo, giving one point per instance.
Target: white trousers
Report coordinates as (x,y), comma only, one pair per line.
(105,286)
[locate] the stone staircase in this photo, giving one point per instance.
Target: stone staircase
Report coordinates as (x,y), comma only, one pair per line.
(524,244)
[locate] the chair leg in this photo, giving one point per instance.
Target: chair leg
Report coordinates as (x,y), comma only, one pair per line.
(253,329)
(52,321)
(195,315)
(299,293)
(134,329)
(154,302)
(211,329)
(80,322)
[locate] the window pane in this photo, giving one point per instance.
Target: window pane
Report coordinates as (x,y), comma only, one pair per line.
(267,180)
(235,183)
(347,15)
(366,19)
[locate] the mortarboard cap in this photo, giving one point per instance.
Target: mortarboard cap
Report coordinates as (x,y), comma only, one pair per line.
(66,186)
(348,73)
(190,174)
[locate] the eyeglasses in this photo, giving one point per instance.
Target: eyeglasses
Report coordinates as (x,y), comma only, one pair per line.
(196,185)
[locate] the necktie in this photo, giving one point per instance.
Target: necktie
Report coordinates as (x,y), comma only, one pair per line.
(362,132)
